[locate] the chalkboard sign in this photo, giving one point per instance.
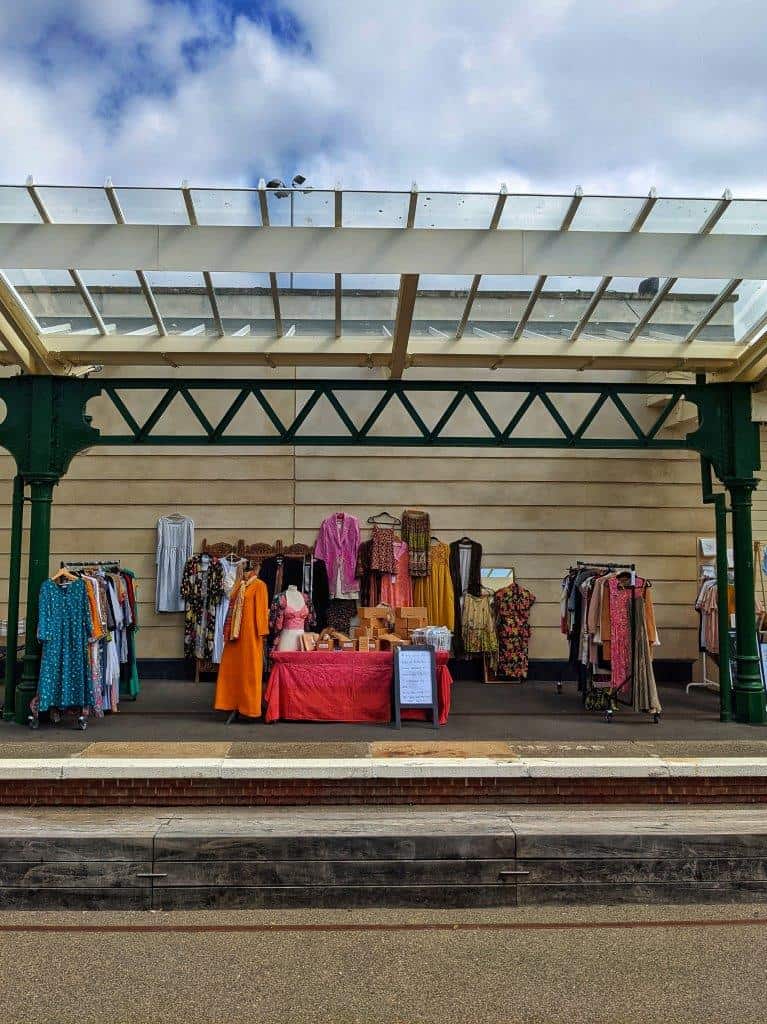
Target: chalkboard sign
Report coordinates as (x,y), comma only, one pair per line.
(415,681)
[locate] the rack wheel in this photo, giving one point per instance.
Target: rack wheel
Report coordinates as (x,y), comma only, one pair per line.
(559,688)
(81,723)
(33,722)
(609,715)
(656,718)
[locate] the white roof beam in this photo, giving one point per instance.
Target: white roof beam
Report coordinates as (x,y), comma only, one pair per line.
(435,332)
(572,209)
(723,296)
(193,331)
(243,332)
(309,350)
(56,329)
(77,280)
(445,251)
(206,275)
(494,222)
(604,284)
(22,331)
(143,281)
(272,275)
(142,332)
(707,227)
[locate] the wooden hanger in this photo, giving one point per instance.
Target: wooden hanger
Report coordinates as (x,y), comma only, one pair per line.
(63,574)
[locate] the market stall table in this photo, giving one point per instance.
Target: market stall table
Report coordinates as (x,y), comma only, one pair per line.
(342,686)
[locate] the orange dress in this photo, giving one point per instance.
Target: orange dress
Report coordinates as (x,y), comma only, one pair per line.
(240,675)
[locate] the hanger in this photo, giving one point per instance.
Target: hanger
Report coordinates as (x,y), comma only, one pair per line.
(63,574)
(174,515)
(465,540)
(384,519)
(434,537)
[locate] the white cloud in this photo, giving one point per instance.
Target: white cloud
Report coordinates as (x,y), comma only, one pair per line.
(543,96)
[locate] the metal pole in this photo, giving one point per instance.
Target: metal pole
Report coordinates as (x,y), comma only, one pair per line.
(39,559)
(291,224)
(14,588)
(749,691)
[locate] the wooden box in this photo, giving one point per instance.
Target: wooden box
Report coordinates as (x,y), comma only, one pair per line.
(411,613)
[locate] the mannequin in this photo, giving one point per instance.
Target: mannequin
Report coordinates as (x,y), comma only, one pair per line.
(294,615)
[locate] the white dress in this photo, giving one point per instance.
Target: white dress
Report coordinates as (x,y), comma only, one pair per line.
(175,544)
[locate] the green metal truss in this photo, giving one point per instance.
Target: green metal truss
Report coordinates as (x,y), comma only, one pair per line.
(46,425)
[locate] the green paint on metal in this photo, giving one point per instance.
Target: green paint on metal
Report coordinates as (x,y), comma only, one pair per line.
(14,587)
(46,426)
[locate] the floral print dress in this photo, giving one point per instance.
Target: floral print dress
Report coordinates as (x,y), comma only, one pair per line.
(512,607)
(202,588)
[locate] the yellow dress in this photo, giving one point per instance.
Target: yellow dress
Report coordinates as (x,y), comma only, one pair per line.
(435,591)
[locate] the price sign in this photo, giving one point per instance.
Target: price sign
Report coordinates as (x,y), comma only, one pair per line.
(415,681)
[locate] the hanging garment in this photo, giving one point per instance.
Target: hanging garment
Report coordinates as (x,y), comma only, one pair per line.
(397,587)
(479,635)
(130,684)
(175,546)
(435,591)
(232,569)
(370,582)
(64,629)
(416,533)
(382,556)
(645,692)
(337,544)
(239,683)
(308,573)
(623,613)
(340,615)
(202,587)
(465,572)
(511,606)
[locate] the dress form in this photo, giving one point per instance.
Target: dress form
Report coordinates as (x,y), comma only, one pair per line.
(296,614)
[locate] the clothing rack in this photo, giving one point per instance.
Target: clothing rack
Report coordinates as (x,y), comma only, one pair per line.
(113,563)
(606,565)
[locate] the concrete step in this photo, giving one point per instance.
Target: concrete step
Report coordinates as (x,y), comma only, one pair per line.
(385,857)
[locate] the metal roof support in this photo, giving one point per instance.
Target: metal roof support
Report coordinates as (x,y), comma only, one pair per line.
(604,284)
(143,281)
(21,330)
(714,308)
(668,284)
(337,279)
(206,275)
(78,282)
(572,209)
(272,276)
(494,222)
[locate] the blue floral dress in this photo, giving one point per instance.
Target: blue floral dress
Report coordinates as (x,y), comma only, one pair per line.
(64,628)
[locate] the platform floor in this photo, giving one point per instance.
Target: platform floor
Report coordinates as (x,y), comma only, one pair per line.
(533,716)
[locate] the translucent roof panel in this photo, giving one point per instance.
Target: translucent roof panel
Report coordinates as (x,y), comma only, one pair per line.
(369,304)
(606,213)
(77,205)
(245,303)
(679,215)
(439,305)
(308,304)
(534,213)
(217,206)
(51,298)
(454,210)
(743,217)
(16,206)
(375,209)
(153,205)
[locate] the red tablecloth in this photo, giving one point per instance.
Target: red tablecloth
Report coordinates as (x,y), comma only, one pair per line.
(342,686)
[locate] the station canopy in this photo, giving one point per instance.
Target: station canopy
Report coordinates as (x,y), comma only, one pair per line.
(259,277)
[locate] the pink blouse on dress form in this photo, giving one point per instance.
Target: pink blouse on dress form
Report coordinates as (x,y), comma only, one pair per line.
(397,591)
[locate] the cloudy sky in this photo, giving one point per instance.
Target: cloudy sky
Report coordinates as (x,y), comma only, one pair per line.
(614,97)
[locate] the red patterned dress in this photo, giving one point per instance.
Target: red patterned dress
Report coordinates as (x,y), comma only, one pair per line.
(512,607)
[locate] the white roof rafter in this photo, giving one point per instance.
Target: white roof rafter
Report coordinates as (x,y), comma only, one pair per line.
(206,275)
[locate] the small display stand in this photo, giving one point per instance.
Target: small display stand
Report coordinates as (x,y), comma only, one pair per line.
(415,682)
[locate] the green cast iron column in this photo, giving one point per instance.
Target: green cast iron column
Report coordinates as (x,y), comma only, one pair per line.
(749,691)
(14,587)
(39,559)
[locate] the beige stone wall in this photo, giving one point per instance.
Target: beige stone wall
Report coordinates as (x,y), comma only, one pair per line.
(535,510)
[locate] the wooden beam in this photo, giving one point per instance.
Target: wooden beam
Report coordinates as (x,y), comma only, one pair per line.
(408,289)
